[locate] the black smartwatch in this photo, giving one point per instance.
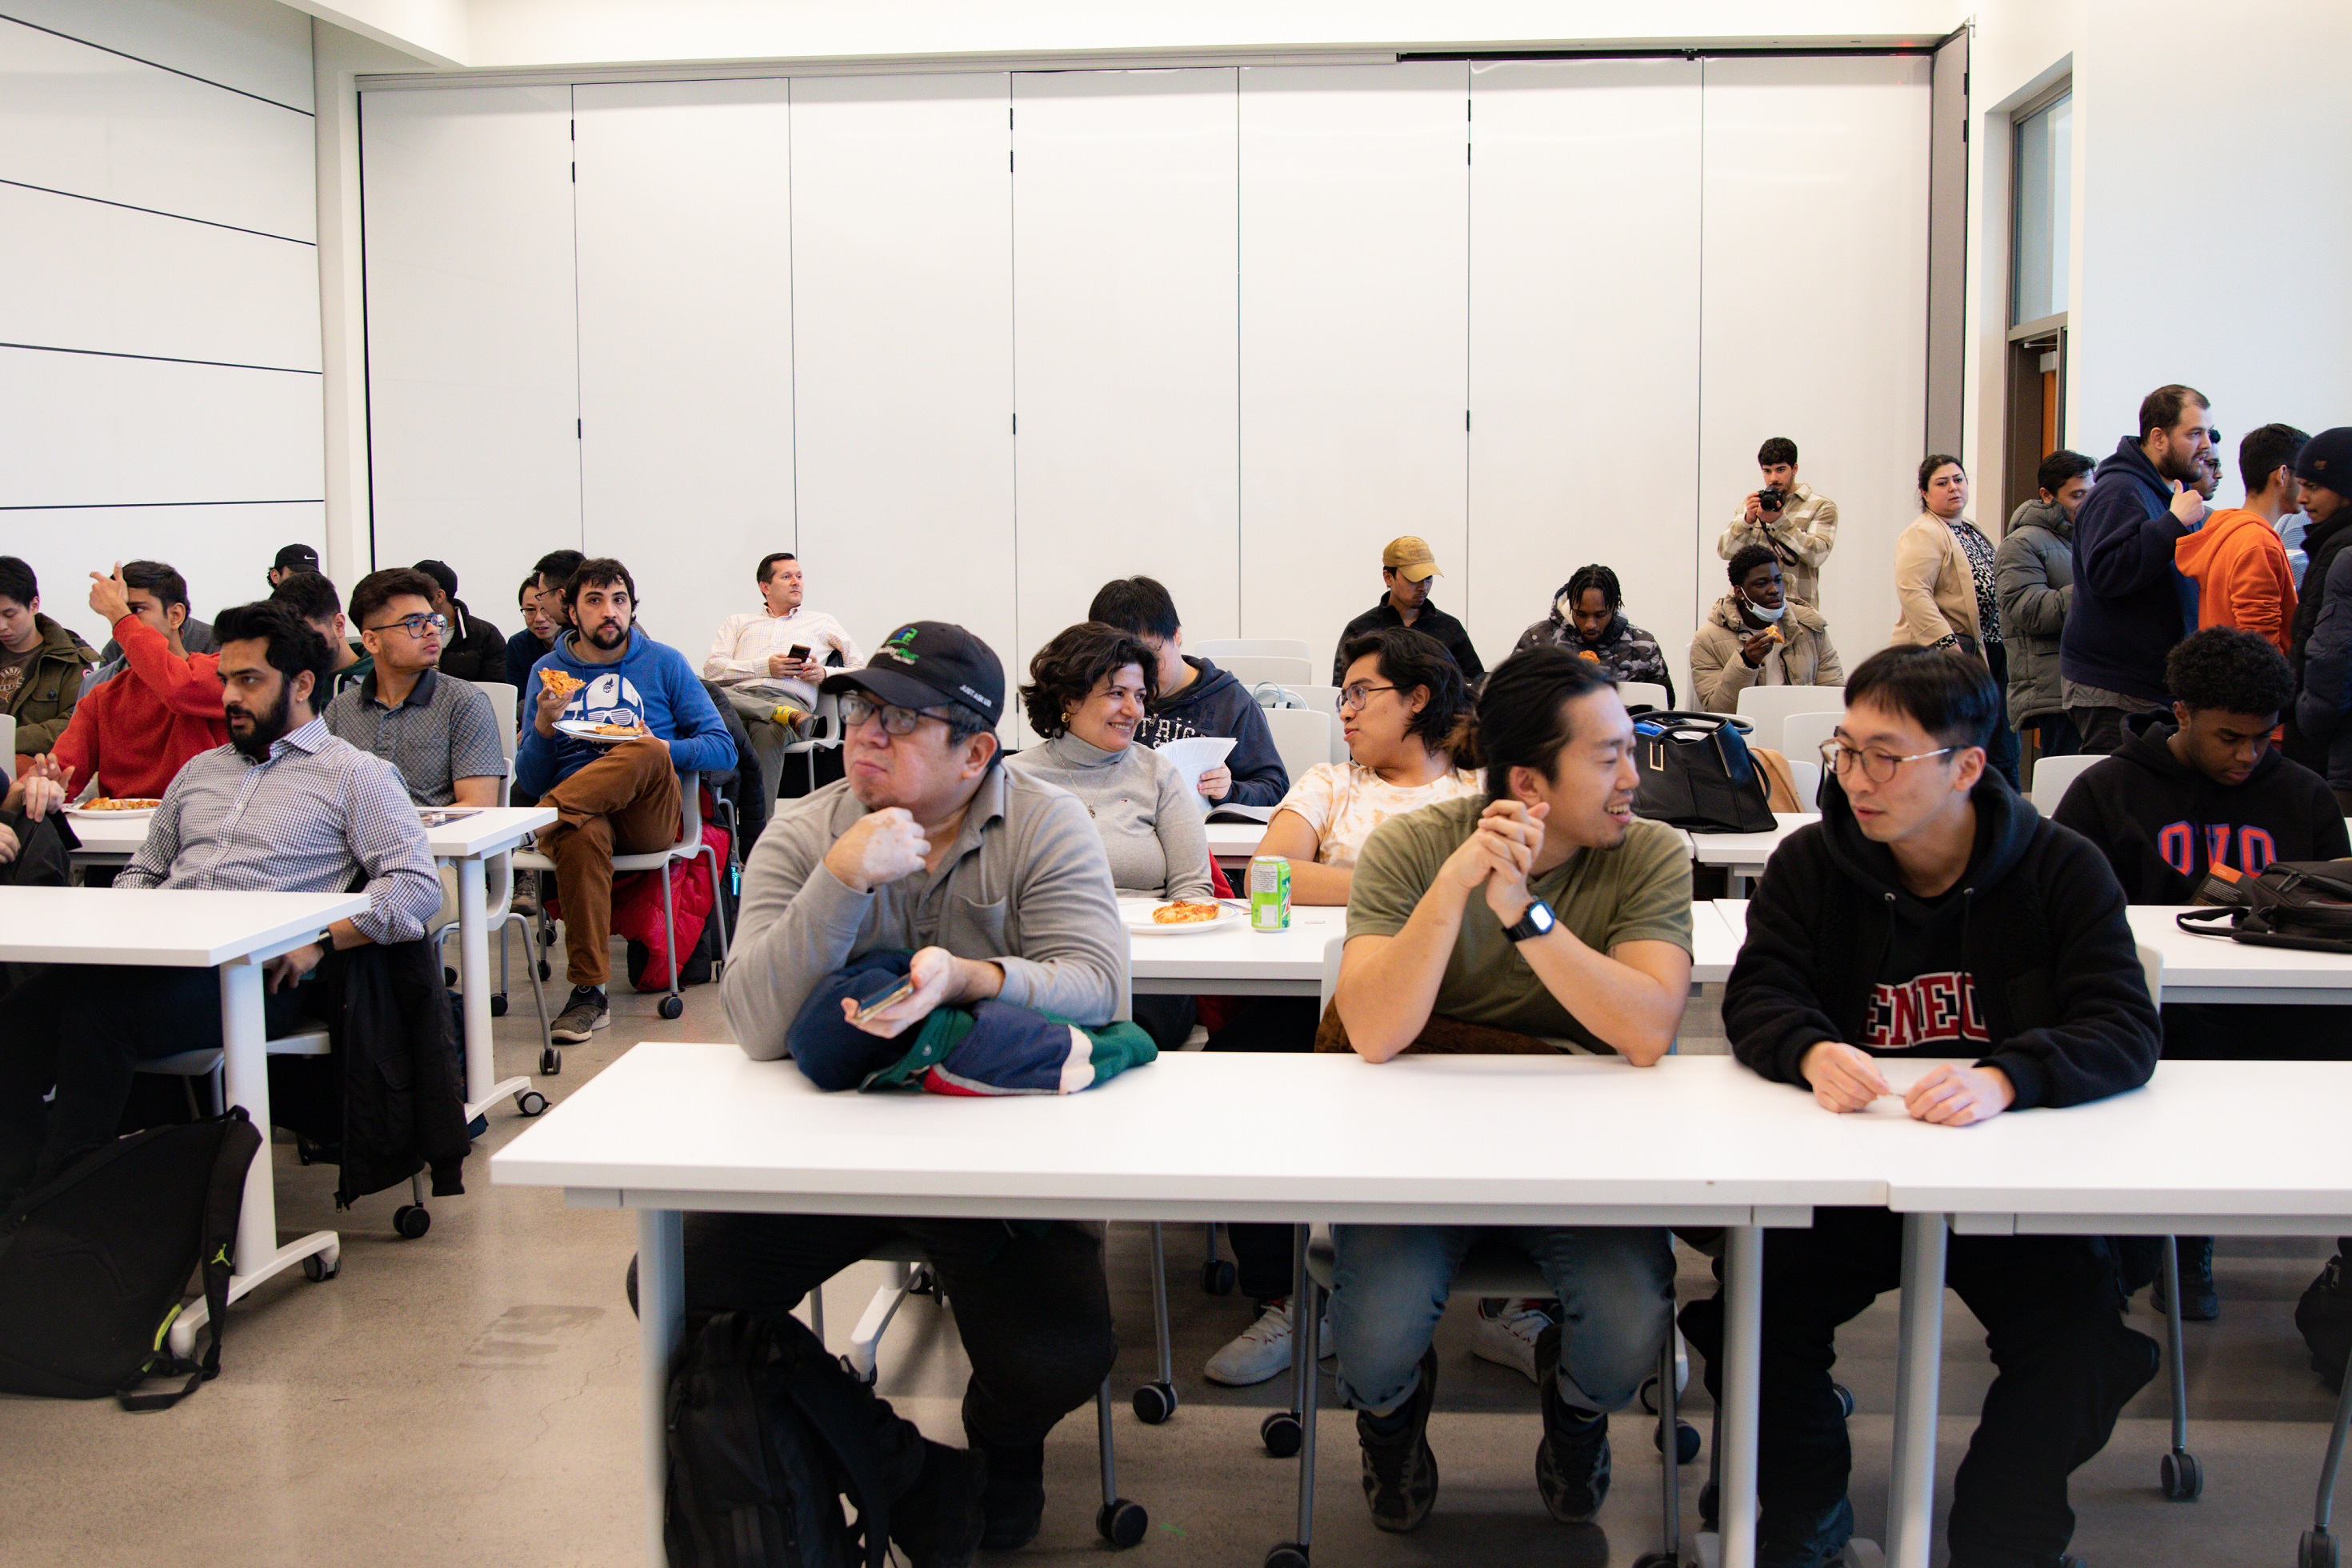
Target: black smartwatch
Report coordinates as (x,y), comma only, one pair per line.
(1537,922)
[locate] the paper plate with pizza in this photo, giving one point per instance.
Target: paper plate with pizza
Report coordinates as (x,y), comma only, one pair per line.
(1181,917)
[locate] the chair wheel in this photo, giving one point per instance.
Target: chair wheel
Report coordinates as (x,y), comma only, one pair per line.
(497,1004)
(411,1220)
(1281,1434)
(1686,1441)
(1289,1554)
(1122,1523)
(551,1062)
(1650,1395)
(531,1102)
(449,976)
(1658,1559)
(1218,1277)
(546,970)
(670,1006)
(315,1267)
(1845,1399)
(2317,1551)
(1709,1495)
(1154,1403)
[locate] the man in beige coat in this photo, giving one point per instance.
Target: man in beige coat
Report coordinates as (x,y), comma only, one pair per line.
(1755,636)
(1945,591)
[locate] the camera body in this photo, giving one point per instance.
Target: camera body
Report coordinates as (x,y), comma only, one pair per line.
(1772,498)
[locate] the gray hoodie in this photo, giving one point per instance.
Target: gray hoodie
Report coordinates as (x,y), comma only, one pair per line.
(2033,572)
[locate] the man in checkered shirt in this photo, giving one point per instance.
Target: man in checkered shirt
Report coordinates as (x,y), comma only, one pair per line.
(285,806)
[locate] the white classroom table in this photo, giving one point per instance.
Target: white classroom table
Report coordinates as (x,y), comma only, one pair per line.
(1231,845)
(466,841)
(1744,854)
(178,929)
(2215,969)
(672,1127)
(1237,961)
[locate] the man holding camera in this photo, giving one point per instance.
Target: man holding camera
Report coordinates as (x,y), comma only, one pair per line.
(1797,524)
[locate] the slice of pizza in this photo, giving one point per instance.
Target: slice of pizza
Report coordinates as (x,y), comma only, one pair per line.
(561,684)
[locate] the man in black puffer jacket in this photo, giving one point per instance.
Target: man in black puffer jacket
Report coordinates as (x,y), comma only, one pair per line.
(1933,913)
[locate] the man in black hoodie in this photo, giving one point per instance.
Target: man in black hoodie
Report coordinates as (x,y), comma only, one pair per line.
(1932,913)
(1195,697)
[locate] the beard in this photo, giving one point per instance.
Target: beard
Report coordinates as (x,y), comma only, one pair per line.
(266,727)
(2181,463)
(610,635)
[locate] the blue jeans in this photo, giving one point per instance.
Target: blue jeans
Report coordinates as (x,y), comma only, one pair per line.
(1388,1285)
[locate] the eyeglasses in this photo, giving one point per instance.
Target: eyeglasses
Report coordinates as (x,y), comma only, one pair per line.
(855,710)
(415,626)
(1878,766)
(1356,696)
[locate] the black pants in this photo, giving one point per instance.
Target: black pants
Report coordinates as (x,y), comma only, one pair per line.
(2052,1314)
(2102,729)
(2001,754)
(84,1029)
(1263,1254)
(1166,1019)
(1029,1301)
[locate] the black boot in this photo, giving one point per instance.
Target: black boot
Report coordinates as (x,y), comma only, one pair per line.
(1400,1471)
(938,1522)
(2199,1302)
(1014,1501)
(1572,1464)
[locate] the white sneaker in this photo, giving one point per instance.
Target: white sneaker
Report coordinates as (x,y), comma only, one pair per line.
(1507,1331)
(1262,1350)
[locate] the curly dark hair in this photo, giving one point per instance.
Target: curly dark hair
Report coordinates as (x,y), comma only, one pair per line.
(1749,557)
(293,643)
(1596,576)
(1409,661)
(2229,670)
(1066,668)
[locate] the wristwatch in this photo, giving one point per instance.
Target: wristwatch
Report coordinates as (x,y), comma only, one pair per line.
(1537,922)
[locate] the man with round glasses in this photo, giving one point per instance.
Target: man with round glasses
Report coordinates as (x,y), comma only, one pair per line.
(1932,913)
(440,733)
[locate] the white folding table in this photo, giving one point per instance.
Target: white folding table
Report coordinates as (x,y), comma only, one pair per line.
(1237,960)
(235,933)
(1231,845)
(672,1127)
(2215,969)
(468,842)
(1744,854)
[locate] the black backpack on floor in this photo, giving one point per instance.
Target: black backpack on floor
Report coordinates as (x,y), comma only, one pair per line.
(766,1436)
(92,1265)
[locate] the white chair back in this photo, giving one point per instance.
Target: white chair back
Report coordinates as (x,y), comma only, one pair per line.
(1802,734)
(1768,707)
(1223,648)
(1642,693)
(504,698)
(1302,738)
(8,744)
(1330,985)
(2151,969)
(1806,778)
(1251,668)
(2052,775)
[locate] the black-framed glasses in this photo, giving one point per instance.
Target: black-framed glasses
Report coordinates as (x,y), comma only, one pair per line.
(1876,765)
(896,720)
(415,626)
(1359,694)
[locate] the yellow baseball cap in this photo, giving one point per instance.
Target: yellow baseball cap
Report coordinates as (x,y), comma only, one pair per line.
(1409,557)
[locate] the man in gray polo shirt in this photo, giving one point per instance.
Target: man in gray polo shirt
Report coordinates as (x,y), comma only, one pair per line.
(999,884)
(442,734)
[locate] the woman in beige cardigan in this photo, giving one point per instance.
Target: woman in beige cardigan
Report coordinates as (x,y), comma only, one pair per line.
(1945,591)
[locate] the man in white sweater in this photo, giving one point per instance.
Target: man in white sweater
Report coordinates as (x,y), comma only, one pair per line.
(768,665)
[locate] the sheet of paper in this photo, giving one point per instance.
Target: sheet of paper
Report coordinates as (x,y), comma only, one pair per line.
(1194,755)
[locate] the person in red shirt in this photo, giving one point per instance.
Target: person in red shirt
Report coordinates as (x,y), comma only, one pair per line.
(133,732)
(2238,560)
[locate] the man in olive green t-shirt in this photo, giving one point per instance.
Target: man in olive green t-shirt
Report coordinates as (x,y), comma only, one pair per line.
(1547,908)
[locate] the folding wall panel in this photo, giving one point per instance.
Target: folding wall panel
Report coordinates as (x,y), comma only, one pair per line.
(1124,351)
(1815,266)
(473,369)
(1354,306)
(902,315)
(1584,329)
(686,342)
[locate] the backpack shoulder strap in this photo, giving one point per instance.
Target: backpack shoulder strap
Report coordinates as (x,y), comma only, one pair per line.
(224,1199)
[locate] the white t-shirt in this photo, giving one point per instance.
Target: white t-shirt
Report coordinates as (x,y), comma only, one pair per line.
(1343,802)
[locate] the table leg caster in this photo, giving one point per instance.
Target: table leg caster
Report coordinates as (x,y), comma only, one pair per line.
(551,1062)
(1289,1554)
(1218,1277)
(2317,1551)
(1154,1403)
(1122,1523)
(2183,1478)
(1280,1434)
(411,1221)
(531,1102)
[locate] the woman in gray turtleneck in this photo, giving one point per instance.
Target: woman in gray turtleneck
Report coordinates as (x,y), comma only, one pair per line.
(1087,691)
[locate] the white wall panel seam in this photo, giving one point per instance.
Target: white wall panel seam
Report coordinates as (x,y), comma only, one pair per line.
(156,211)
(159,64)
(157,358)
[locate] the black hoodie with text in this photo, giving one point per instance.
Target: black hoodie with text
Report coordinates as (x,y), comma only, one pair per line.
(1216,703)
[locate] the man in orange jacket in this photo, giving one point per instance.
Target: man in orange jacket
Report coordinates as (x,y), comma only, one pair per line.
(2237,559)
(134,731)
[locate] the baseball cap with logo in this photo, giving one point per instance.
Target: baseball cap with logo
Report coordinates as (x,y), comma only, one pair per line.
(298,558)
(2327,459)
(1409,557)
(925,663)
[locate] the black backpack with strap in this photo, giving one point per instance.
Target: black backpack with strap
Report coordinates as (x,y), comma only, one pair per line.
(2304,904)
(93,1265)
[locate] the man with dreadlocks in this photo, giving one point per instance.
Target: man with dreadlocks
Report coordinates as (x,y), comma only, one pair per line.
(1588,619)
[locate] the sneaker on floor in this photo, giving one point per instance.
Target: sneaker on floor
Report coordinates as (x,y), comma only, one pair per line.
(1013,1501)
(1400,1471)
(2324,1318)
(2199,1302)
(1572,1462)
(1506,1333)
(1262,1351)
(586,1012)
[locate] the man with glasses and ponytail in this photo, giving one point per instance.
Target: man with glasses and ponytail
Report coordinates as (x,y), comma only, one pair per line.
(1933,913)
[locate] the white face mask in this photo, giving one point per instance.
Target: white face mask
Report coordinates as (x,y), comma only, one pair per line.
(1759,612)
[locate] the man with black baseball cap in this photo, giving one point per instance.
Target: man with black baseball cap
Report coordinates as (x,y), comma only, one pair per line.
(292,558)
(999,886)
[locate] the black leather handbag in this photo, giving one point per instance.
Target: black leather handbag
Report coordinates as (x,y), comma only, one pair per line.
(1697,774)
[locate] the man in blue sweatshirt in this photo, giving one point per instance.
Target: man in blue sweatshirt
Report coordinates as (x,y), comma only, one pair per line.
(610,796)
(2131,603)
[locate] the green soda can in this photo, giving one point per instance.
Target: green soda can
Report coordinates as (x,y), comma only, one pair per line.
(1269,893)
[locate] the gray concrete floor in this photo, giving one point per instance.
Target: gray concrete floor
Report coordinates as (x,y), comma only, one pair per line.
(472,1398)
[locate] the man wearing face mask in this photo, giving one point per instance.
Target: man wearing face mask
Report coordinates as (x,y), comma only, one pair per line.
(1755,636)
(285,806)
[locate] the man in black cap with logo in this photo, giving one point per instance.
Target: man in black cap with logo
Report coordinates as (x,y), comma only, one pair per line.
(999,886)
(292,558)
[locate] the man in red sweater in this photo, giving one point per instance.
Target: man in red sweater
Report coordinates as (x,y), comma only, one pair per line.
(133,732)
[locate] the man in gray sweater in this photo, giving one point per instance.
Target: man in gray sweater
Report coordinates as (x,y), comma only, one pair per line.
(1000,887)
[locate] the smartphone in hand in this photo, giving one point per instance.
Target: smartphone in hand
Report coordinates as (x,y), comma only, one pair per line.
(798,653)
(884,991)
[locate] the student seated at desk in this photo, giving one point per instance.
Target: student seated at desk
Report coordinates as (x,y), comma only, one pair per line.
(2209,791)
(284,807)
(1193,696)
(438,731)
(1089,689)
(999,885)
(1412,742)
(1932,913)
(132,735)
(1452,932)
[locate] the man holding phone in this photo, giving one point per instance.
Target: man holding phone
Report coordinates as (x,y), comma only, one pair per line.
(768,664)
(1000,888)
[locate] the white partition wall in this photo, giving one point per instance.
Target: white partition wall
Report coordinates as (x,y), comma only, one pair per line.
(902,315)
(1816,305)
(473,362)
(1354,299)
(1584,332)
(686,342)
(1125,225)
